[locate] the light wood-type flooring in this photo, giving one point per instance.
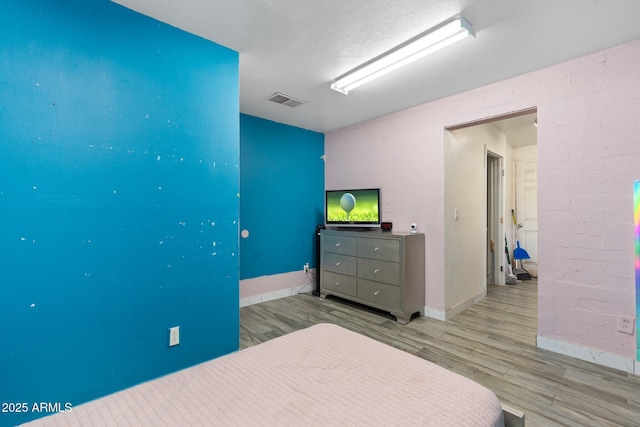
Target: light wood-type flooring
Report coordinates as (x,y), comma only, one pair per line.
(493,342)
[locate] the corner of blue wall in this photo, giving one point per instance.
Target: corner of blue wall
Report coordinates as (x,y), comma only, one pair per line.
(281,196)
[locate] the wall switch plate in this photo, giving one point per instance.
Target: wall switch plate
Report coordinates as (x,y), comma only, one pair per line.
(174,336)
(626,324)
(306,267)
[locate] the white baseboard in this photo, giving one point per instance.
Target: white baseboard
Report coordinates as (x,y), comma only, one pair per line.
(267,288)
(435,314)
(465,304)
(283,293)
(448,314)
(590,355)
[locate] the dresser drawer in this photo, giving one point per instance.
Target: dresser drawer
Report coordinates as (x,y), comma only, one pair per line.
(344,245)
(339,283)
(382,249)
(379,294)
(339,264)
(380,271)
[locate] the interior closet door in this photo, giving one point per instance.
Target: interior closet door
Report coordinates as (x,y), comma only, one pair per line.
(527,212)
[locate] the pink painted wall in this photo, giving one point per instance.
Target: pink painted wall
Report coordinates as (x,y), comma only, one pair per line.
(589,156)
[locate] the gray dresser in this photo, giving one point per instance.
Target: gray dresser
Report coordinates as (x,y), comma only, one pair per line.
(380,269)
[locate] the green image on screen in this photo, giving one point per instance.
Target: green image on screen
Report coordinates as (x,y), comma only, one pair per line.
(353,206)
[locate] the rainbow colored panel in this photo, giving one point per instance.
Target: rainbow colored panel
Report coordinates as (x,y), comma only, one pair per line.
(636,220)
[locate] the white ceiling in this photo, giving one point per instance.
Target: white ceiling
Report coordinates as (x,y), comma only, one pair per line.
(297,47)
(520,131)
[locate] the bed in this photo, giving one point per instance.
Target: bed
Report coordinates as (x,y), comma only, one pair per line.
(324,375)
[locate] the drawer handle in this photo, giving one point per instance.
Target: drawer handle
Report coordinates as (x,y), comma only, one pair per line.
(376,271)
(376,249)
(338,283)
(338,245)
(337,264)
(376,293)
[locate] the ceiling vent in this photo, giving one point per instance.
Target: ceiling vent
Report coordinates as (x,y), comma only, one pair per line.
(287,100)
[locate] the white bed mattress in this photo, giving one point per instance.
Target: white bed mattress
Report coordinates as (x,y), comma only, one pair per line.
(324,375)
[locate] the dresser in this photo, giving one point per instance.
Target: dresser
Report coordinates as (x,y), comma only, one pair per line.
(380,269)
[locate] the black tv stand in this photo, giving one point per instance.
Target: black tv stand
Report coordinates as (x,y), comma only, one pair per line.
(316,291)
(355,228)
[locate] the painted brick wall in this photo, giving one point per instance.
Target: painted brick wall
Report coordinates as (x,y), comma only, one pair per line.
(589,156)
(586,210)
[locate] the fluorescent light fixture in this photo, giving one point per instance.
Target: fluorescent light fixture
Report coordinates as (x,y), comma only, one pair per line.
(442,35)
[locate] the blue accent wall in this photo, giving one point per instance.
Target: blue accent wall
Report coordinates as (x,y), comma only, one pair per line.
(119,209)
(282,196)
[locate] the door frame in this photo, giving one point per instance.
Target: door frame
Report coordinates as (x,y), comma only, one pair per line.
(494,167)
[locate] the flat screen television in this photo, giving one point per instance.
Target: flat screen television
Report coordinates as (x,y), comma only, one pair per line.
(352,208)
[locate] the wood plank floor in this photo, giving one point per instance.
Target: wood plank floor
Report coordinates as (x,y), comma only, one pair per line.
(493,342)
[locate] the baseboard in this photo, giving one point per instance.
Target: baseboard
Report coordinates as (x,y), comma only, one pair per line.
(450,313)
(267,288)
(283,293)
(465,304)
(599,357)
(435,314)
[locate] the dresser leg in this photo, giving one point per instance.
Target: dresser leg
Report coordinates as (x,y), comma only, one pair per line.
(402,318)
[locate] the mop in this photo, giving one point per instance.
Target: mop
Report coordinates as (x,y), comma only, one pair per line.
(510,278)
(519,254)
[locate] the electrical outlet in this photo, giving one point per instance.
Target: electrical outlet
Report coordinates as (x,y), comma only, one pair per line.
(174,336)
(626,324)
(306,267)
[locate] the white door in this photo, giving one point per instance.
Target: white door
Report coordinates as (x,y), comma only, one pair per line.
(527,212)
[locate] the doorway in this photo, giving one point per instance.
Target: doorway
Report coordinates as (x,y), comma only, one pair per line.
(520,186)
(480,192)
(526,211)
(495,208)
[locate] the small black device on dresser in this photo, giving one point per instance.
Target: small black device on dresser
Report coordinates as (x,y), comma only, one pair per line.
(386,226)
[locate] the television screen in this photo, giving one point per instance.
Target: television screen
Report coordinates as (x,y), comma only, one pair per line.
(353,207)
